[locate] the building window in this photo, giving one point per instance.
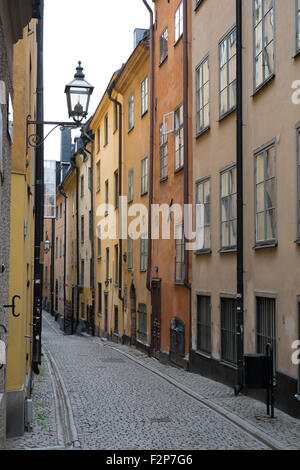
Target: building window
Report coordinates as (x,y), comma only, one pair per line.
(56,247)
(82,186)
(131,112)
(116,265)
(163,42)
(106,197)
(130,253)
(90,178)
(116,320)
(116,116)
(204,324)
(73,203)
(142,328)
(82,311)
(99,241)
(266,325)
(227,78)
(82,228)
(143,252)
(90,225)
(73,253)
(82,273)
(264,50)
(228,209)
(98,139)
(144,176)
(106,129)
(99,299)
(163,153)
(179,138)
(144,95)
(107,264)
(265,195)
(298,181)
(60,210)
(46,276)
(179,254)
(61,248)
(297,26)
(202,96)
(91,274)
(228,331)
(203,218)
(98,176)
(130,185)
(179,22)
(116,177)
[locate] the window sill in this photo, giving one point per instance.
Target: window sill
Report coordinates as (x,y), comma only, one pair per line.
(162,180)
(198,6)
(179,283)
(297,54)
(262,246)
(144,114)
(142,342)
(178,170)
(130,202)
(205,251)
(99,258)
(144,194)
(99,314)
(297,242)
(143,270)
(203,131)
(178,40)
(203,354)
(297,397)
(226,114)
(116,334)
(260,87)
(130,130)
(228,250)
(228,364)
(163,61)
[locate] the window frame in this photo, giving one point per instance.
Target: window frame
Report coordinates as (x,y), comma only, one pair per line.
(144,95)
(199,100)
(265,80)
(233,332)
(143,252)
(164,51)
(130,185)
(178,132)
(98,166)
(142,314)
(181,243)
(208,327)
(271,242)
(129,253)
(226,37)
(99,298)
(180,24)
(230,247)
(298,179)
(260,295)
(106,130)
(130,112)
(203,181)
(163,145)
(297,38)
(144,175)
(82,229)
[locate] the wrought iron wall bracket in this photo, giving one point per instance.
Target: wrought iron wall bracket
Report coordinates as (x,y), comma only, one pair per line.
(33,140)
(13,306)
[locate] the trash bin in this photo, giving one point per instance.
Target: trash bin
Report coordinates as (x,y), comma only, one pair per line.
(257,368)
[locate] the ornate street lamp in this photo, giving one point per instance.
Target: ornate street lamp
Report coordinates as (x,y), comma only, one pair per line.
(78,93)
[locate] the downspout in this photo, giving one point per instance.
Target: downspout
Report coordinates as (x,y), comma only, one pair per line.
(240,234)
(149,258)
(52,265)
(65,246)
(186,159)
(77,245)
(109,93)
(91,140)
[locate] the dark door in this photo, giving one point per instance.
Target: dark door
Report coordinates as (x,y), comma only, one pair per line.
(156,318)
(133,314)
(106,313)
(177,341)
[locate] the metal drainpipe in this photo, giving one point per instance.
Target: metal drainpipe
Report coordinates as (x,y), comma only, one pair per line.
(149,260)
(77,244)
(109,93)
(186,157)
(91,140)
(65,246)
(240,234)
(52,265)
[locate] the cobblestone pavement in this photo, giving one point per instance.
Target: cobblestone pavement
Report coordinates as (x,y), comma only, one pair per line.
(44,432)
(119,404)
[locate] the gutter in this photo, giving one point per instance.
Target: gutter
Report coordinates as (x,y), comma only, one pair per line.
(240,202)
(65,245)
(149,258)
(73,163)
(109,93)
(187,284)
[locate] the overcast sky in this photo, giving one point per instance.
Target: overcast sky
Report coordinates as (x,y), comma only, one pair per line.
(97,32)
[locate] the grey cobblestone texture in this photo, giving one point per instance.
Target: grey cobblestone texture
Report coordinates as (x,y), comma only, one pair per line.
(118,404)
(44,429)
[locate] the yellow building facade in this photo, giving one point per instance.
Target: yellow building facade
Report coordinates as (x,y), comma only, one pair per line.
(22,235)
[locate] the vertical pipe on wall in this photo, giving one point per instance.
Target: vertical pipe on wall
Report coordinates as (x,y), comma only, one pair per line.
(149,258)
(240,234)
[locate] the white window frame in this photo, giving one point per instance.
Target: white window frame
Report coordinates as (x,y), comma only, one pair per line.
(203,215)
(144,176)
(178,22)
(201,105)
(130,185)
(179,133)
(131,112)
(143,252)
(225,63)
(257,24)
(144,95)
(179,252)
(297,19)
(227,204)
(164,45)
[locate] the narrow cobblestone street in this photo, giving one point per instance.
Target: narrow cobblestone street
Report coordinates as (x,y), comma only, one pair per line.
(121,399)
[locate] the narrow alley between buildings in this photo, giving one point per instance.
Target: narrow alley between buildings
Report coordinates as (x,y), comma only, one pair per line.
(97,395)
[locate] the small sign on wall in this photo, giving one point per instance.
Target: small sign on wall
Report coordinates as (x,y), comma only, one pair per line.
(10,117)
